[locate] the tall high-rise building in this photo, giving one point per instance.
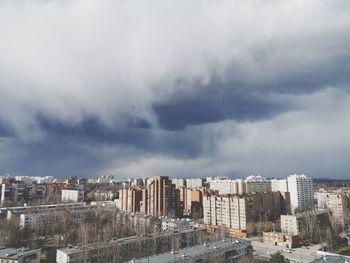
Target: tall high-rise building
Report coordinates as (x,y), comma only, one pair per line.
(162,197)
(301,192)
(130,199)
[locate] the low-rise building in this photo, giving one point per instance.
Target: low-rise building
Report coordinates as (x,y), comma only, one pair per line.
(20,255)
(124,249)
(171,224)
(280,239)
(222,251)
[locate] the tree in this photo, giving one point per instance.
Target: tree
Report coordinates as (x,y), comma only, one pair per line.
(277,258)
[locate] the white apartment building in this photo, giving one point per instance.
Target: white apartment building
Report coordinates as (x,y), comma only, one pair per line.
(72,195)
(279,185)
(178,182)
(250,184)
(289,225)
(194,182)
(301,192)
(223,185)
(321,198)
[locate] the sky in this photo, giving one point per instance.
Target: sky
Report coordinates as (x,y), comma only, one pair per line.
(178,88)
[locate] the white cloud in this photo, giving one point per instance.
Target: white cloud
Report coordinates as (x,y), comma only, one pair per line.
(114,59)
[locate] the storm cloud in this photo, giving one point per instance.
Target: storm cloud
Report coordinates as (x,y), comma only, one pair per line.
(174,87)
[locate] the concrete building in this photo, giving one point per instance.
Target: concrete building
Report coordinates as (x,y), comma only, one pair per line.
(191,201)
(222,251)
(178,182)
(162,198)
(321,198)
(130,199)
(223,185)
(301,193)
(172,224)
(290,225)
(20,255)
(339,205)
(250,184)
(158,198)
(280,239)
(13,193)
(194,182)
(124,249)
(235,211)
(257,184)
(279,185)
(72,195)
(48,216)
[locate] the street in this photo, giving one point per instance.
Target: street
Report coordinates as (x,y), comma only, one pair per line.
(295,255)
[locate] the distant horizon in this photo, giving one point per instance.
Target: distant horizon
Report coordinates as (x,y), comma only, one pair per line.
(171,177)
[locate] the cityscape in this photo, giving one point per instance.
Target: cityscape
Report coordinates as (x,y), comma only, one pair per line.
(174,131)
(162,219)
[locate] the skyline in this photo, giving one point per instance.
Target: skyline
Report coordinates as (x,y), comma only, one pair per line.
(181,89)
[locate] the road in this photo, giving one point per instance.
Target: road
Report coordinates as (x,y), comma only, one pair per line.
(297,254)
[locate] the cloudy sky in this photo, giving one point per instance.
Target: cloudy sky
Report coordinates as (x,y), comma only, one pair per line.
(180,88)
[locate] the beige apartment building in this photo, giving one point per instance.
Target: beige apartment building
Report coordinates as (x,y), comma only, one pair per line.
(289,225)
(235,211)
(339,205)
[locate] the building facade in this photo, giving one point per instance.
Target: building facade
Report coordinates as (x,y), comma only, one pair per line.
(301,193)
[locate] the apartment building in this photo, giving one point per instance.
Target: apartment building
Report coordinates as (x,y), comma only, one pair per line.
(339,205)
(124,249)
(175,224)
(20,255)
(279,185)
(72,195)
(257,184)
(235,211)
(224,185)
(194,182)
(47,218)
(301,193)
(290,224)
(159,197)
(250,184)
(222,251)
(321,198)
(13,192)
(130,199)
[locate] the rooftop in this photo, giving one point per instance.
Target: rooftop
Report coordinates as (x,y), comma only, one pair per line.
(332,259)
(192,252)
(13,253)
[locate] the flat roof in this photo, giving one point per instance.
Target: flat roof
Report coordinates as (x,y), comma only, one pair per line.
(125,240)
(13,253)
(194,251)
(332,259)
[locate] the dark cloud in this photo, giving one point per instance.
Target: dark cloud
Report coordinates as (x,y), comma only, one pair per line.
(129,87)
(216,103)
